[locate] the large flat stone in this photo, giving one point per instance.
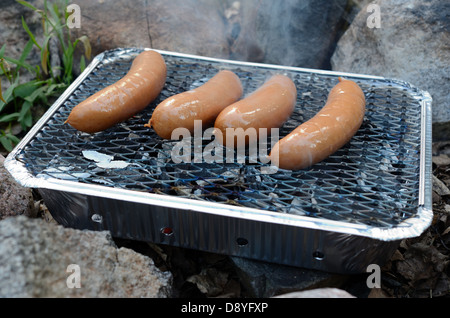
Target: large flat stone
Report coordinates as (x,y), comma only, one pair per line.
(35,258)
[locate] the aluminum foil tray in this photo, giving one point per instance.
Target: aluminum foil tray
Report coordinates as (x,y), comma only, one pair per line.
(340,215)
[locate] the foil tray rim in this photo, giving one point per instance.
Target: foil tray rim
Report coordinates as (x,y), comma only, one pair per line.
(408,228)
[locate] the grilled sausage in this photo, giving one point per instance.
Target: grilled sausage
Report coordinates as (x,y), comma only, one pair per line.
(270,106)
(123,99)
(202,103)
(330,129)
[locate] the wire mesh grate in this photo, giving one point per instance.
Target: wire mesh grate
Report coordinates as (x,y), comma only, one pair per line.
(373,180)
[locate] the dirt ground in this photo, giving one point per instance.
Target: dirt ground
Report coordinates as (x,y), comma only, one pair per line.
(420,267)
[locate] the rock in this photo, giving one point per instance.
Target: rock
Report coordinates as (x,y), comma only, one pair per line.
(186,26)
(243,30)
(441,160)
(318,293)
(35,259)
(289,32)
(210,281)
(197,274)
(425,269)
(14,199)
(439,187)
(412,44)
(262,279)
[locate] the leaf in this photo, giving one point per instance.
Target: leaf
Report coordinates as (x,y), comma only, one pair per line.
(2,50)
(27,29)
(20,62)
(87,46)
(43,19)
(17,62)
(82,63)
(8,96)
(9,117)
(6,143)
(44,60)
(54,19)
(26,89)
(54,89)
(26,51)
(5,70)
(29,5)
(37,94)
(1,96)
(45,54)
(56,10)
(13,138)
(67,59)
(25,116)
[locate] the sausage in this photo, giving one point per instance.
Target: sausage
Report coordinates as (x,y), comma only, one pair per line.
(123,99)
(330,129)
(270,106)
(202,103)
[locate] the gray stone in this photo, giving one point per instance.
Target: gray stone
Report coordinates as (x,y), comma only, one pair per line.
(14,199)
(412,44)
(279,32)
(318,293)
(186,26)
(439,187)
(262,279)
(35,258)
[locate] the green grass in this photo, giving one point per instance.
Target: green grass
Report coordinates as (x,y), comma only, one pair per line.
(19,99)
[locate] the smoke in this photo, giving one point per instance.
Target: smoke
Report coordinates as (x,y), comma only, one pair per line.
(289,32)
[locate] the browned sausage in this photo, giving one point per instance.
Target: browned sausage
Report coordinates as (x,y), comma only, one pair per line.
(203,103)
(330,129)
(121,100)
(270,106)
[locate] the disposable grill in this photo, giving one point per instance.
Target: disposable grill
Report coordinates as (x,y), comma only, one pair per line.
(341,214)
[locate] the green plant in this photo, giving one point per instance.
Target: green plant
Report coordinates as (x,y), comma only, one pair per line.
(19,99)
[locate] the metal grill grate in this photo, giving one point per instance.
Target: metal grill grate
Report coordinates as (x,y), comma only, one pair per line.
(373,180)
